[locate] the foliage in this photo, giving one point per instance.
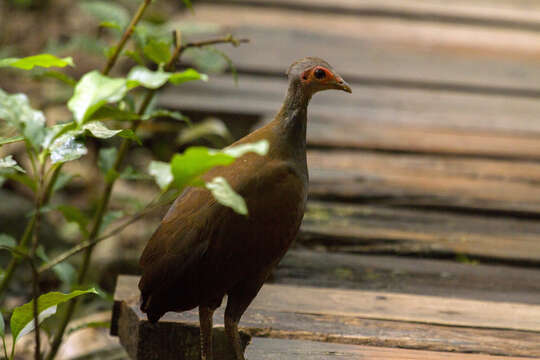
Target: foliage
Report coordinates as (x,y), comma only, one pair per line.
(103,108)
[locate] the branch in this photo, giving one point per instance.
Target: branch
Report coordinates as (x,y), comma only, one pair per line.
(125,37)
(227,39)
(89,243)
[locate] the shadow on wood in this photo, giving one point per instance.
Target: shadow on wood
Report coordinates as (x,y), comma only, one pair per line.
(164,340)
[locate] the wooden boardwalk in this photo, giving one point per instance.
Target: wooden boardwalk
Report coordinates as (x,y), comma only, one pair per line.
(424,183)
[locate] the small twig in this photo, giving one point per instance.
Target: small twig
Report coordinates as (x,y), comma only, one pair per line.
(228,39)
(86,244)
(125,37)
(35,309)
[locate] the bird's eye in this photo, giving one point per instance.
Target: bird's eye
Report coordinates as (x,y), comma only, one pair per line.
(320,73)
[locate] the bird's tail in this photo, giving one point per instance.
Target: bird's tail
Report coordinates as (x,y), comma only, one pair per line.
(153,316)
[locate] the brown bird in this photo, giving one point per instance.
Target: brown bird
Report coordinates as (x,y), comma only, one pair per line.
(203,250)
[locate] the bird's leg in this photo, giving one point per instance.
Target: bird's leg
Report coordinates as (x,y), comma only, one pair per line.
(205,319)
(231,328)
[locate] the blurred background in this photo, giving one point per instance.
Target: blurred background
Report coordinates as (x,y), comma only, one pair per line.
(425,180)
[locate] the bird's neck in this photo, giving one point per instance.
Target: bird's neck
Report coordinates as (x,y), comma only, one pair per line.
(292,118)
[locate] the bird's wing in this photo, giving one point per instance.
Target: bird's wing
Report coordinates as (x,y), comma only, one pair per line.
(188,229)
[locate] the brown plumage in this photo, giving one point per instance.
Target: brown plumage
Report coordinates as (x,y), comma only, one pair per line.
(202,250)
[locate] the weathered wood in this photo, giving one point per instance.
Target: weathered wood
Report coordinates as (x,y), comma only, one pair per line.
(416,180)
(521,15)
(163,340)
(264,95)
(368,228)
(266,349)
(453,56)
(382,118)
(399,307)
(283,312)
(466,280)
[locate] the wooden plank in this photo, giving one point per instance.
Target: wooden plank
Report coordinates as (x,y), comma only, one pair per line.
(303,350)
(466,280)
(513,14)
(264,96)
(384,51)
(381,118)
(361,133)
(496,185)
(399,307)
(163,340)
(284,319)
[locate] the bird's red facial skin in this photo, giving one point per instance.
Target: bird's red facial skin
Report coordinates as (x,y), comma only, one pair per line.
(318,74)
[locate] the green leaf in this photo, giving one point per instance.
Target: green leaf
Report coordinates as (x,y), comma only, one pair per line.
(107,11)
(98,130)
(73,214)
(42,60)
(165,113)
(161,171)
(188,4)
(225,195)
(23,179)
(110,25)
(16,110)
(187,75)
(148,78)
(66,148)
(62,180)
(155,79)
(206,59)
(93,91)
(106,159)
(157,50)
(114,113)
(8,165)
(90,324)
(53,74)
(259,147)
(7,241)
(135,56)
(22,318)
(11,140)
(209,128)
(64,270)
(52,133)
(110,217)
(194,162)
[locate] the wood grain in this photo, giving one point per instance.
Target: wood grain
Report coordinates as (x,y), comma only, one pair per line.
(410,53)
(281,349)
(284,319)
(381,118)
(420,180)
(513,14)
(408,275)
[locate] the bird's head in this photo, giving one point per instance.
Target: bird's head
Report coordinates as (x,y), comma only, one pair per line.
(315,74)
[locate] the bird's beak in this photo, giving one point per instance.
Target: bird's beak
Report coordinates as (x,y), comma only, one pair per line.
(342,85)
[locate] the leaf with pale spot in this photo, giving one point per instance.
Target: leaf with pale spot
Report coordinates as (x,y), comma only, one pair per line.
(22,319)
(226,196)
(93,91)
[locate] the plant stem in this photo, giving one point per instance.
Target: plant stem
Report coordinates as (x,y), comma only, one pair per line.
(10,270)
(107,191)
(85,244)
(125,37)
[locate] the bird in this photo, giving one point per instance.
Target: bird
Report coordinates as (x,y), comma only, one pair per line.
(202,250)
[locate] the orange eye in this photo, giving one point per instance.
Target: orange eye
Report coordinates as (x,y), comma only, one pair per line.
(319,73)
